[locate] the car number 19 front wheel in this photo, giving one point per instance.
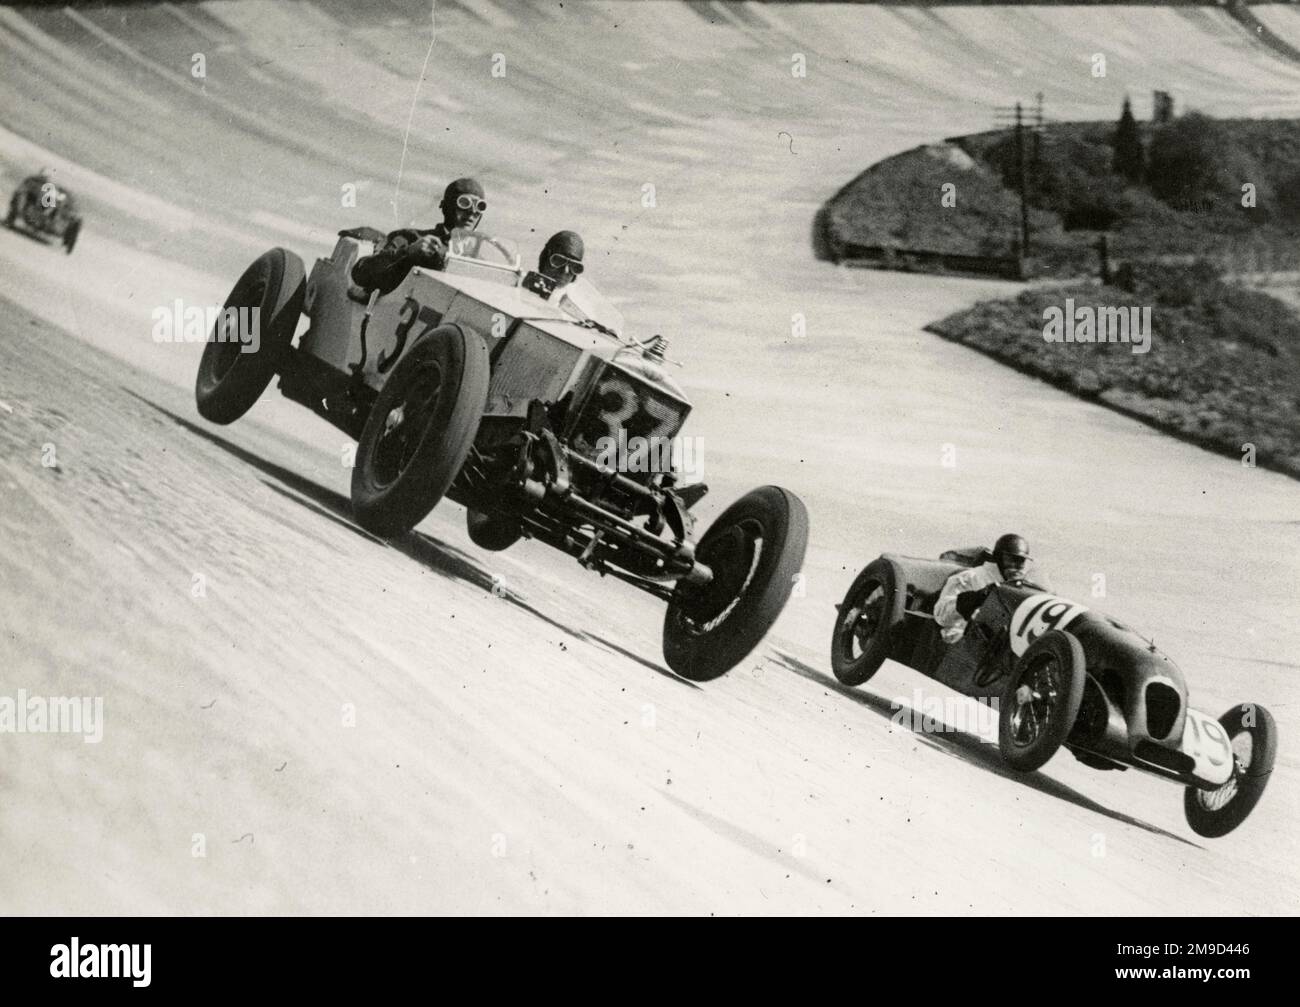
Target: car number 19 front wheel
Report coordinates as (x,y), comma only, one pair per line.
(1252,735)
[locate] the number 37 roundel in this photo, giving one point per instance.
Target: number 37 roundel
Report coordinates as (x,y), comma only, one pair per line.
(1036,615)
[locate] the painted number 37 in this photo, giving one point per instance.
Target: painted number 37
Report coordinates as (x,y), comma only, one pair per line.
(411,313)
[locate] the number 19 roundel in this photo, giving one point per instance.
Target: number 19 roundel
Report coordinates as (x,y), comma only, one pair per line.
(1036,615)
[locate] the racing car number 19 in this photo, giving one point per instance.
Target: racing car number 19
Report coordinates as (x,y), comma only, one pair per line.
(1205,740)
(1036,615)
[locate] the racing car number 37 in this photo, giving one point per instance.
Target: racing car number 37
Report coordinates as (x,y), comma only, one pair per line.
(411,311)
(622,408)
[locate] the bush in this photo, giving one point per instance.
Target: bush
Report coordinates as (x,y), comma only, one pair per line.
(1072,177)
(1287,198)
(1173,286)
(1194,163)
(897,202)
(1093,205)
(1184,159)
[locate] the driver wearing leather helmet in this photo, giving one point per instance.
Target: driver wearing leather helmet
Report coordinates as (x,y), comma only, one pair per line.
(965,591)
(462,207)
(559,264)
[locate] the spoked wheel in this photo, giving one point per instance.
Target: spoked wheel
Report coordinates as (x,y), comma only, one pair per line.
(420,430)
(755,549)
(405,424)
(1041,700)
(1251,735)
(872,609)
(234,373)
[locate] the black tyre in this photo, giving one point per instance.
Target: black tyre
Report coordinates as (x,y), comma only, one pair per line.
(755,548)
(1041,700)
(70,236)
(488,531)
(870,613)
(1252,735)
(11,215)
(420,430)
(230,380)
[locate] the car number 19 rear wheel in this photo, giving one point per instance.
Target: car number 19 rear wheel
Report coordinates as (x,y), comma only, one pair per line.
(872,610)
(1041,701)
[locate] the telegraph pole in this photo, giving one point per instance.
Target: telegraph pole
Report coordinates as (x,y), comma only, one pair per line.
(1023,122)
(1038,136)
(1022,154)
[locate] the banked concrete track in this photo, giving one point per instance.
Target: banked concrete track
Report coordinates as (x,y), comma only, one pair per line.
(342,725)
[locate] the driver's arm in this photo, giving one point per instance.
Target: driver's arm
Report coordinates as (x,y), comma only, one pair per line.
(947,611)
(968,602)
(403,249)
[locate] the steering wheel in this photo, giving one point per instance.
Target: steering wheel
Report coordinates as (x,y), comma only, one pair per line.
(509,256)
(506,253)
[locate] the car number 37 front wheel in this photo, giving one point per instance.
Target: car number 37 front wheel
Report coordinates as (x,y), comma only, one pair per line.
(755,550)
(419,430)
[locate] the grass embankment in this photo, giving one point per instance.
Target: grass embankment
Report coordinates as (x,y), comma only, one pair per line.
(1229,189)
(1223,368)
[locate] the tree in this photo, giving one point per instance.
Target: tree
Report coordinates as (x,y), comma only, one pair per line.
(1288,198)
(1194,164)
(1130,159)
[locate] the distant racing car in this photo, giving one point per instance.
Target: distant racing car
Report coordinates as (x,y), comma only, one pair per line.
(1062,674)
(45,208)
(464,383)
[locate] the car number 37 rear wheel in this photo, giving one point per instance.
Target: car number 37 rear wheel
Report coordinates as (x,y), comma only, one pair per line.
(755,550)
(233,371)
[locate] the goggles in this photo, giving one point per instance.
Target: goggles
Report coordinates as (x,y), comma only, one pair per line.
(559,261)
(468,201)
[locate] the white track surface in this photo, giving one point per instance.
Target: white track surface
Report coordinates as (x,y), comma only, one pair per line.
(530,753)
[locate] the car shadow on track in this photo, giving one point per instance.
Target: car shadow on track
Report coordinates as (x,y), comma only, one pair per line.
(610,645)
(962,745)
(432,553)
(750,842)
